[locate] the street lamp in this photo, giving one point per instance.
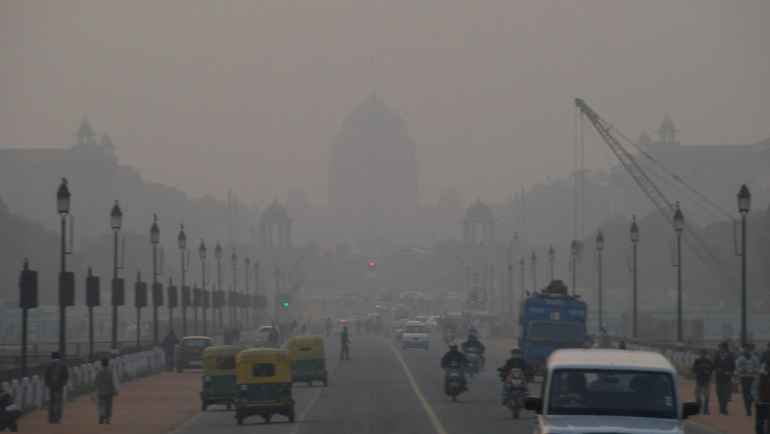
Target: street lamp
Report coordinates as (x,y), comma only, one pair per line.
(234,263)
(202,256)
(678,227)
(599,248)
(63,207)
(521,272)
(218,254)
(634,240)
(573,248)
(182,244)
(154,240)
(533,259)
(116,221)
(246,266)
(744,203)
(551,257)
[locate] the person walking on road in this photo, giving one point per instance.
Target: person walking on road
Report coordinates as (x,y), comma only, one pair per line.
(747,367)
(724,366)
(328,327)
(345,340)
(169,345)
(56,377)
(703,370)
(761,394)
(105,391)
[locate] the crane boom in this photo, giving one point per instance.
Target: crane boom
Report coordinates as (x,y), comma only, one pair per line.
(651,190)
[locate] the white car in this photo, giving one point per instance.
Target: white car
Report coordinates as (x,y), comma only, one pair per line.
(603,391)
(415,336)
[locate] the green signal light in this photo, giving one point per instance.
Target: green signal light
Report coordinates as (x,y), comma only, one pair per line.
(286,304)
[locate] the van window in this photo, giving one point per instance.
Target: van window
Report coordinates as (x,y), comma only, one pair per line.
(607,392)
(263,369)
(225,363)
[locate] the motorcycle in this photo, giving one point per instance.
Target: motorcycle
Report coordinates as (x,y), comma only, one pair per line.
(517,389)
(454,380)
(9,414)
(474,361)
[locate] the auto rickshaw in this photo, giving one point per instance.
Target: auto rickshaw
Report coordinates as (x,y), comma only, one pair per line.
(219,382)
(264,383)
(308,362)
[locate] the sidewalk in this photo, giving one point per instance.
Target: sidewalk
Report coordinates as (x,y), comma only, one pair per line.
(735,423)
(152,405)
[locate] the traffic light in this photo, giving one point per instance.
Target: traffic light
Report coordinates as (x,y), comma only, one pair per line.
(371,266)
(474,296)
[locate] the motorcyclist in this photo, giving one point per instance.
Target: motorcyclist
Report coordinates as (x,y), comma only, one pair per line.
(454,356)
(472,330)
(515,361)
(474,342)
(449,332)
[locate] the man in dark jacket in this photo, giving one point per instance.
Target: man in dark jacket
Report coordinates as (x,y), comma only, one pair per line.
(703,370)
(454,356)
(169,345)
(724,366)
(515,361)
(345,341)
(56,377)
(474,342)
(760,390)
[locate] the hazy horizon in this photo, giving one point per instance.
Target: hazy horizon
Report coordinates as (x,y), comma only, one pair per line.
(247,96)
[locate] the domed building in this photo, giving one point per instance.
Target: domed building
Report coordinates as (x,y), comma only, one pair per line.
(478,225)
(373,184)
(274,227)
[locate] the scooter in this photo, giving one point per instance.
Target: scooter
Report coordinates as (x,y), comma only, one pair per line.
(454,380)
(474,361)
(9,414)
(517,389)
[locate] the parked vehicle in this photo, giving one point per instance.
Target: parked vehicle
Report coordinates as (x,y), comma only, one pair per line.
(308,361)
(189,352)
(609,391)
(264,381)
(219,382)
(517,390)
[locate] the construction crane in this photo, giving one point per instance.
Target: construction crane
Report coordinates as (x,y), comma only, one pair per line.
(651,190)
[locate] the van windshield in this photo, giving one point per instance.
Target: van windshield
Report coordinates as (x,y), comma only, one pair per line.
(555,333)
(612,393)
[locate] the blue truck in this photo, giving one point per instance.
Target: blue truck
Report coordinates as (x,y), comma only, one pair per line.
(548,321)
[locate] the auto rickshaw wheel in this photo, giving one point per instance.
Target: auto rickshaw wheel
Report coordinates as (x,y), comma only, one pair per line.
(228,406)
(240,420)
(291,415)
(310,383)
(204,405)
(267,418)
(326,382)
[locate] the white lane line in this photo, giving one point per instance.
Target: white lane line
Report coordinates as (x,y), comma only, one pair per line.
(309,406)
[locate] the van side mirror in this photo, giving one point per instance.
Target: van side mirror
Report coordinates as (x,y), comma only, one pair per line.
(534,403)
(690,408)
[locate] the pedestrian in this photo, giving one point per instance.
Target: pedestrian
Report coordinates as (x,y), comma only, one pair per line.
(747,368)
(56,376)
(761,394)
(622,345)
(328,327)
(724,366)
(169,346)
(105,391)
(604,338)
(703,369)
(345,341)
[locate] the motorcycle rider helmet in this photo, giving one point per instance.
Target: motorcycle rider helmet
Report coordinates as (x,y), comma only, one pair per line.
(453,345)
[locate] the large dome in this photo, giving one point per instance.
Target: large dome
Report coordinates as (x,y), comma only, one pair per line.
(479,211)
(275,212)
(373,124)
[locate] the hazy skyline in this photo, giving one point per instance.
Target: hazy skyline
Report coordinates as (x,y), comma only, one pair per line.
(241,95)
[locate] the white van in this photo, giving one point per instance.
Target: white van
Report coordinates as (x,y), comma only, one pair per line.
(609,391)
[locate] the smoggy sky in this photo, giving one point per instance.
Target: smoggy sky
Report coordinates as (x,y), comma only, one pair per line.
(207,96)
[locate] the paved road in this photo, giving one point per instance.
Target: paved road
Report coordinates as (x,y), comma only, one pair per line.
(373,393)
(383,389)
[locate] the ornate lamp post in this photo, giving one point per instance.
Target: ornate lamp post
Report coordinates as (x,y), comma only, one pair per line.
(218,254)
(154,240)
(573,248)
(202,256)
(599,248)
(116,221)
(521,276)
(63,207)
(533,260)
(234,263)
(634,241)
(182,244)
(744,203)
(551,257)
(678,227)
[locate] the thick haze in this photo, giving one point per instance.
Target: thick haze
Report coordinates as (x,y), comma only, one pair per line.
(206,96)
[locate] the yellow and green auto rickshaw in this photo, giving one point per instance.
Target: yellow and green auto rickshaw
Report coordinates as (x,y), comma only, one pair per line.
(219,383)
(308,362)
(264,382)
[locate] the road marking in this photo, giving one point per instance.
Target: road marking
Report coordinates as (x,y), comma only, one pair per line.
(423,401)
(298,424)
